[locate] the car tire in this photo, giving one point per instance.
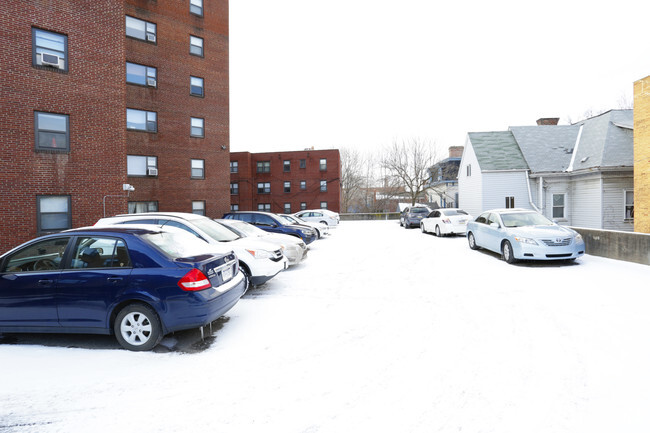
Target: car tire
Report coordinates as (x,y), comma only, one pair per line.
(137,327)
(438,231)
(317,233)
(247,276)
(506,251)
(422,228)
(471,241)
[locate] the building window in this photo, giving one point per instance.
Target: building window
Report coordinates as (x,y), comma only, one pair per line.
(198,127)
(469,170)
(141,165)
(198,169)
(303,206)
(323,205)
(52,131)
(234,207)
(323,164)
(323,185)
(558,205)
(234,188)
(196,86)
(140,29)
(287,208)
(141,74)
(196,46)
(53,212)
(140,120)
(303,163)
(510,202)
(264,167)
(264,188)
(49,49)
(142,206)
(264,207)
(287,187)
(196,7)
(303,184)
(286,165)
(234,167)
(198,207)
(629,204)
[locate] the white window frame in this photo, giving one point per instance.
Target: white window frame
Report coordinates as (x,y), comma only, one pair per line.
(627,215)
(196,7)
(563,207)
(196,46)
(53,205)
(265,187)
(264,207)
(197,168)
(197,127)
(198,207)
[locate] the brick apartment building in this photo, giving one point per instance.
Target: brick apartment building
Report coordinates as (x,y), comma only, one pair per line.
(285,182)
(104,93)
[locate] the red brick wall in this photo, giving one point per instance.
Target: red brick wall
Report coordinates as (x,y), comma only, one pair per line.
(248,178)
(91,92)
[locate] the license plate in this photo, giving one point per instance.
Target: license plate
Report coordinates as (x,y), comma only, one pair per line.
(226,273)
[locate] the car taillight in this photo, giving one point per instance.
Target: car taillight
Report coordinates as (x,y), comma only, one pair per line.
(194,280)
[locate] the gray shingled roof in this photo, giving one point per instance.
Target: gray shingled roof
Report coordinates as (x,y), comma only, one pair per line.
(497,151)
(546,148)
(606,141)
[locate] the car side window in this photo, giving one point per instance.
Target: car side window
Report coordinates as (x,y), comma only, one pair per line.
(264,220)
(244,217)
(492,218)
(92,252)
(40,256)
(482,219)
(436,214)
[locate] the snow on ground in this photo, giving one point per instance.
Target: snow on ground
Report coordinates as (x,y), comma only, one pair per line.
(381,329)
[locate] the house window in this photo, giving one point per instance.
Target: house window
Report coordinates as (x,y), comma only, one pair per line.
(287,187)
(264,188)
(323,185)
(234,207)
(287,208)
(197,128)
(558,205)
(323,205)
(140,74)
(286,165)
(198,207)
(53,212)
(323,164)
(303,206)
(264,167)
(234,166)
(141,165)
(196,46)
(303,184)
(198,169)
(140,29)
(196,86)
(629,204)
(52,131)
(469,170)
(234,188)
(140,120)
(264,207)
(303,163)
(196,7)
(49,49)
(510,202)
(142,206)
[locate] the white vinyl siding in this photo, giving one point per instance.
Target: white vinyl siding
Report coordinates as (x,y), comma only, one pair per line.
(470,188)
(587,203)
(614,202)
(501,184)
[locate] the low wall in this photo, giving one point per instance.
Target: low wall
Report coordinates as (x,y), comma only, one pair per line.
(628,246)
(369,216)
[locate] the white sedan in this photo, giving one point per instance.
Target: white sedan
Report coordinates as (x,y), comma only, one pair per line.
(449,221)
(322,216)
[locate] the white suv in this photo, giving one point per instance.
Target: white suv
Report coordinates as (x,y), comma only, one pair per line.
(259,260)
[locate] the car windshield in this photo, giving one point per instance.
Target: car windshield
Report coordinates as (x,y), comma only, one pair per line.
(452,212)
(248,229)
(521,219)
(215,230)
(178,244)
(420,210)
(287,219)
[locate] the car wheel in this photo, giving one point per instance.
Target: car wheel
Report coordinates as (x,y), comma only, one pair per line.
(137,327)
(438,231)
(472,241)
(317,233)
(247,276)
(422,228)
(507,252)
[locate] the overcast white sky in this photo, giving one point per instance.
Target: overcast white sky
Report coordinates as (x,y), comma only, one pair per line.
(362,73)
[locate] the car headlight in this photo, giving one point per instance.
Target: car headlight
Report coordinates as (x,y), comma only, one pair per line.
(526,240)
(261,254)
(578,237)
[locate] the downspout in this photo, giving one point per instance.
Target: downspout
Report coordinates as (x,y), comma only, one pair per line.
(530,196)
(540,194)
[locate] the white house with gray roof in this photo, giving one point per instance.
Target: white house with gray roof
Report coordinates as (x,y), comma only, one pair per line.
(579,175)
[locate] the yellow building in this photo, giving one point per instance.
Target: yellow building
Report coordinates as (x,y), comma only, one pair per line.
(642,155)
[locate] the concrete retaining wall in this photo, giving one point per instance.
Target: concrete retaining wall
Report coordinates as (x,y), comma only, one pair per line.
(628,246)
(369,216)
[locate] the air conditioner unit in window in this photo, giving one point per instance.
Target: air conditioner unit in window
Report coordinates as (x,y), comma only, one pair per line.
(50,60)
(151,37)
(152,171)
(151,82)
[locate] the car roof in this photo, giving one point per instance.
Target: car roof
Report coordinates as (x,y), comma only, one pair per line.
(181,215)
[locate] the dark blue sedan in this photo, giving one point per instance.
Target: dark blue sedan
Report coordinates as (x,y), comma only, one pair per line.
(273,223)
(136,283)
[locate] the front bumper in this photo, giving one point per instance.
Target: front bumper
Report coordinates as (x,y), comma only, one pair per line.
(524,251)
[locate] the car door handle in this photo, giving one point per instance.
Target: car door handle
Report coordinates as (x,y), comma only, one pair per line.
(45,282)
(114,279)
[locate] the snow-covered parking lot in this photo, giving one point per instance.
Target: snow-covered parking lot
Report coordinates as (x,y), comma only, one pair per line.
(381,329)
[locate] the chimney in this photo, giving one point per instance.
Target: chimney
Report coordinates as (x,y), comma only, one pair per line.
(548,121)
(456,151)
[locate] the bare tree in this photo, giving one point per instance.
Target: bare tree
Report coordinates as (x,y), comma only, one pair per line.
(353,166)
(408,163)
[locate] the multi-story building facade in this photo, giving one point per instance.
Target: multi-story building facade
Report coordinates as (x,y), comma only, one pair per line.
(101,94)
(285,182)
(641,203)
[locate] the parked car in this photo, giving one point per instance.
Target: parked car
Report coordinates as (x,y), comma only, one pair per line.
(446,221)
(260,261)
(321,229)
(294,249)
(137,283)
(271,222)
(521,234)
(411,216)
(323,216)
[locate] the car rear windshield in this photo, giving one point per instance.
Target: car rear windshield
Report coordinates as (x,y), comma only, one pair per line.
(215,230)
(452,212)
(522,219)
(178,245)
(420,210)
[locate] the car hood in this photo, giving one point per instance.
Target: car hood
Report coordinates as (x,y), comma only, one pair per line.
(279,237)
(541,231)
(251,243)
